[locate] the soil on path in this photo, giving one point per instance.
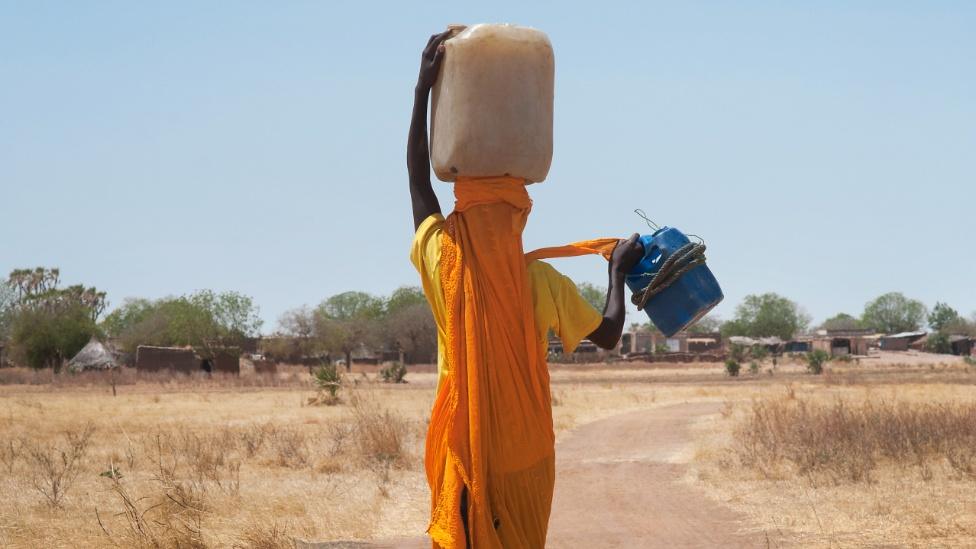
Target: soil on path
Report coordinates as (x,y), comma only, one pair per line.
(619,484)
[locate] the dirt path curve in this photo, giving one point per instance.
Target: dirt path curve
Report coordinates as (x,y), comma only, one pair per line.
(618,484)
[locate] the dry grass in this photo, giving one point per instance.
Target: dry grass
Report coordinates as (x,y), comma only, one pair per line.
(222,462)
(849,464)
(845,441)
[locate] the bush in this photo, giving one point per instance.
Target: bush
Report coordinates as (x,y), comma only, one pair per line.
(738,352)
(759,352)
(54,468)
(816,360)
(732,367)
(969,360)
(845,441)
(938,343)
(328,378)
(753,367)
(394,373)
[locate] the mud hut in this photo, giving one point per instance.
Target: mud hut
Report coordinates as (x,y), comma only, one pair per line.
(176,359)
(93,356)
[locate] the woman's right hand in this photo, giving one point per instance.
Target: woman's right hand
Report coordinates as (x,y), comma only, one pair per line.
(626,254)
(430,61)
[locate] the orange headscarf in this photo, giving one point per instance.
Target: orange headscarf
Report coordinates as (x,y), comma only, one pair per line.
(491,425)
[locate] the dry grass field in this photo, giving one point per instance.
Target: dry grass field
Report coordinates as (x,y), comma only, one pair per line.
(871,453)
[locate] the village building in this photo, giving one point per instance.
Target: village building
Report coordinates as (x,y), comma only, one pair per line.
(186,360)
(705,343)
(843,342)
(961,345)
(901,341)
(93,356)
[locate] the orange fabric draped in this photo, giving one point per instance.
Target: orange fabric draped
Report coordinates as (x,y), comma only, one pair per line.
(491,425)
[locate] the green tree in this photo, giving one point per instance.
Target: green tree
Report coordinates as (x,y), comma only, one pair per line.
(403,297)
(938,343)
(124,317)
(593,294)
(706,325)
(44,322)
(942,316)
(204,320)
(7,303)
(45,339)
(766,315)
(892,313)
(842,321)
(348,321)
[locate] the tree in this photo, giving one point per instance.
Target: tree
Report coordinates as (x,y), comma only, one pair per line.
(130,313)
(43,339)
(708,324)
(403,297)
(45,323)
(204,320)
(413,332)
(766,315)
(942,316)
(892,313)
(348,321)
(298,325)
(37,289)
(593,294)
(961,326)
(408,325)
(842,321)
(7,303)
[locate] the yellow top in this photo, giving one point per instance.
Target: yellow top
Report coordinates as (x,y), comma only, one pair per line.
(556,301)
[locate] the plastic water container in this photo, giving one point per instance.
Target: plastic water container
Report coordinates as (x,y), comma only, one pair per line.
(491,107)
(686,300)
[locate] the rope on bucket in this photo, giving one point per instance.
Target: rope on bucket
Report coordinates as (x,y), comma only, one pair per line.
(685,259)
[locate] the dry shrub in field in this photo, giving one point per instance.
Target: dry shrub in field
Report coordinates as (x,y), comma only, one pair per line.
(845,441)
(53,467)
(290,447)
(380,434)
(10,452)
(208,458)
(271,536)
(171,517)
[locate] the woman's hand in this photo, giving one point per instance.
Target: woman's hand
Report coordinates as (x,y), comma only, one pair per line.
(626,254)
(430,61)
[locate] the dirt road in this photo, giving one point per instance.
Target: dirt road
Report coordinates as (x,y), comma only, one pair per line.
(618,484)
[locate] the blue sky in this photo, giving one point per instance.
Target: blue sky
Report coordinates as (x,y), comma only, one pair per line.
(825,151)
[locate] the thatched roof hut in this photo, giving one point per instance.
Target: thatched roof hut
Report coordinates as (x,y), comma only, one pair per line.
(93,356)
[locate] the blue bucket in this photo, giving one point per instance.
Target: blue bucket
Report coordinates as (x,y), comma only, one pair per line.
(688,298)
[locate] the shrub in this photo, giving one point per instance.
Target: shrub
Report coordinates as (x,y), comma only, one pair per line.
(328,380)
(737,352)
(759,352)
(969,360)
(54,468)
(938,343)
(753,367)
(816,360)
(732,367)
(846,441)
(394,373)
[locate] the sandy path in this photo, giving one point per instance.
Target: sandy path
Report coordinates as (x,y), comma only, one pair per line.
(618,484)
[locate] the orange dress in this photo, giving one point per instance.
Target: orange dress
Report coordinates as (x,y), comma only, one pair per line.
(491,424)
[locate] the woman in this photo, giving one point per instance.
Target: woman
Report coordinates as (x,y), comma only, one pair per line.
(490,456)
